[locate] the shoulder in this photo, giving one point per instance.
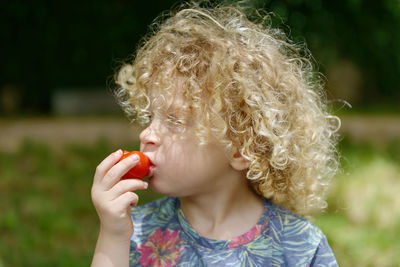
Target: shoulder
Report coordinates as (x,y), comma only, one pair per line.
(297,234)
(291,225)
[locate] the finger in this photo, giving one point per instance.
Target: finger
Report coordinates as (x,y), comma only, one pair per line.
(106,164)
(127,185)
(126,200)
(118,170)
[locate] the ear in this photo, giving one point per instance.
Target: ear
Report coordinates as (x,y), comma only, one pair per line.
(238,162)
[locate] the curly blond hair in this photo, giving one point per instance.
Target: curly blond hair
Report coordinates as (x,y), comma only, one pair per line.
(255,91)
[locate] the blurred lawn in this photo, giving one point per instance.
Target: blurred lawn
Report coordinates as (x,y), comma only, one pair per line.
(47,218)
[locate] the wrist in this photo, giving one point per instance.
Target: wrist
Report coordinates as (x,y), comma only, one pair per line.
(111,250)
(115,237)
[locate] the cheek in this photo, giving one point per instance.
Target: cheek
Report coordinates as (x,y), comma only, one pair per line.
(181,158)
(198,161)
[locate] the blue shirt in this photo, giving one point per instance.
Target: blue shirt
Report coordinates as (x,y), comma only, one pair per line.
(163,237)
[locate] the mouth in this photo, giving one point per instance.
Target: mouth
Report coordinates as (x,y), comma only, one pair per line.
(151,168)
(152,165)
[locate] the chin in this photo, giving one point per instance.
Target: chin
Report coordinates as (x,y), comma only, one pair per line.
(162,189)
(157,187)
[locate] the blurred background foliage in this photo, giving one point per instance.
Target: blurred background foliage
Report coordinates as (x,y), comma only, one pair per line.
(47,164)
(52,44)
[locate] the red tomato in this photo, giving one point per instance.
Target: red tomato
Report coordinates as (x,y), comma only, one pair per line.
(140,170)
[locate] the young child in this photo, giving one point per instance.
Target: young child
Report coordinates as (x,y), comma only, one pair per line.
(240,141)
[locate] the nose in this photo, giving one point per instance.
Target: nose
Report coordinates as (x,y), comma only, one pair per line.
(149,135)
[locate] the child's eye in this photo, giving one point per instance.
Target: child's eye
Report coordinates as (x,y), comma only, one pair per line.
(173,119)
(149,118)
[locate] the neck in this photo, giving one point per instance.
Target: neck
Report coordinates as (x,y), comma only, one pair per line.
(230,210)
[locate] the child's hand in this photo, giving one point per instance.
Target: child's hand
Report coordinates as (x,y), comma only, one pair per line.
(113,198)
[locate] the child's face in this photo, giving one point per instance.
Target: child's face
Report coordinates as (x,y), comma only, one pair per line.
(181,166)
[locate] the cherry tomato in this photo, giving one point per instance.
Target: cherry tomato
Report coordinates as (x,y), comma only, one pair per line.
(140,170)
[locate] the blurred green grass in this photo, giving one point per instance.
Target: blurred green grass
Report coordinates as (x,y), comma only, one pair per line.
(47,217)
(362,222)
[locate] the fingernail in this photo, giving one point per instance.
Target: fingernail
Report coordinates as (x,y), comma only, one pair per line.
(134,157)
(145,185)
(118,152)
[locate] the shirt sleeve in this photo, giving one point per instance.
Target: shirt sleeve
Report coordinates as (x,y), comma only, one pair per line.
(323,255)
(304,244)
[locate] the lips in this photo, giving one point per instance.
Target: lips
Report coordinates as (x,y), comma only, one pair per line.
(152,165)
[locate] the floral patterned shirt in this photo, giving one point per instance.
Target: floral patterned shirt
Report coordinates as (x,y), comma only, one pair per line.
(163,237)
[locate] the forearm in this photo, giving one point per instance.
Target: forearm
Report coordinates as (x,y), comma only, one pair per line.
(111,251)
